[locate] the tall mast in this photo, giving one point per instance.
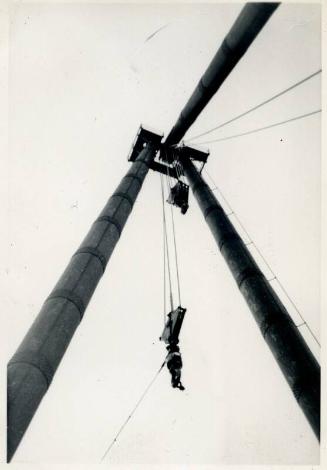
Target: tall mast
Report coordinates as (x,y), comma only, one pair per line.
(31,369)
(245,29)
(293,356)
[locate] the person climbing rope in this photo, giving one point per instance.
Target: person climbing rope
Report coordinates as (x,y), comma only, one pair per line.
(170,337)
(174,365)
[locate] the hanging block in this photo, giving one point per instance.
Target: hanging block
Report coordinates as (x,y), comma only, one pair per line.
(173,326)
(178,196)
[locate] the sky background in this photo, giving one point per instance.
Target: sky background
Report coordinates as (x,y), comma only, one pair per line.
(82,78)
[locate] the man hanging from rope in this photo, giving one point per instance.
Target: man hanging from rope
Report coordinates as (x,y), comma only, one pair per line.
(174,365)
(170,337)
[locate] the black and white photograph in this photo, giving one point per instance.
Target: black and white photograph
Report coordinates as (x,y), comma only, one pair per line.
(162,271)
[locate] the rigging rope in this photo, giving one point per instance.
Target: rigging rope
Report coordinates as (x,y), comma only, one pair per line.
(166,244)
(133,411)
(256,107)
(265,261)
(174,237)
(261,128)
(164,270)
(166,259)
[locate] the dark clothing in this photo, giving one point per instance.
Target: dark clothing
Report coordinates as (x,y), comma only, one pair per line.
(174,365)
(170,337)
(173,347)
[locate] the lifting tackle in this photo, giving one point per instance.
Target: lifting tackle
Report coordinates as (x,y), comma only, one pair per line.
(179,196)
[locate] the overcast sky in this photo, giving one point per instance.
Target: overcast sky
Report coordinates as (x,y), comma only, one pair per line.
(82,79)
